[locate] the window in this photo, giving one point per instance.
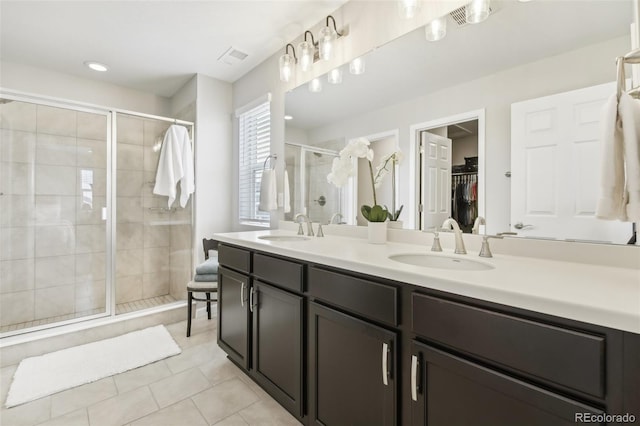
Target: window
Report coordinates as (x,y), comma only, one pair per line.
(255,146)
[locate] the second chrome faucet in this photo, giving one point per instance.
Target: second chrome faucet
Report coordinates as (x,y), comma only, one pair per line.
(452,224)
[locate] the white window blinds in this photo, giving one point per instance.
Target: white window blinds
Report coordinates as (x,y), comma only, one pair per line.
(255,146)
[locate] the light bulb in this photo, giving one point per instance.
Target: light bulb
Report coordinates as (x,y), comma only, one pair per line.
(286,67)
(325,43)
(408,8)
(315,85)
(477,11)
(356,67)
(436,29)
(335,76)
(306,50)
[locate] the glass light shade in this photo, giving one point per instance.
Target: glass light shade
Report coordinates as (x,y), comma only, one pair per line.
(436,29)
(408,8)
(335,76)
(325,44)
(286,67)
(356,67)
(477,11)
(315,85)
(306,51)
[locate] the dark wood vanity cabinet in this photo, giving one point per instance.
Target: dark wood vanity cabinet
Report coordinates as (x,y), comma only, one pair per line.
(353,370)
(260,321)
(447,390)
(335,347)
(233,315)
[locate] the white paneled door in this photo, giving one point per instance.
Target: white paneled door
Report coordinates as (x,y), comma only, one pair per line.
(436,179)
(555,167)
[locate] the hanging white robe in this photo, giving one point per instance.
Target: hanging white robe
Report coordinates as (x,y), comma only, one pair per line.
(175,166)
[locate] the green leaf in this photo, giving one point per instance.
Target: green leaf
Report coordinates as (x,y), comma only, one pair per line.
(365,211)
(377,214)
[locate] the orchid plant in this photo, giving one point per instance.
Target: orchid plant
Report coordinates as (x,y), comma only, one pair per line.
(343,168)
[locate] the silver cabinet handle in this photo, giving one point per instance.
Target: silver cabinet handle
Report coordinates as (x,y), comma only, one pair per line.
(251,299)
(385,366)
(414,377)
(242,295)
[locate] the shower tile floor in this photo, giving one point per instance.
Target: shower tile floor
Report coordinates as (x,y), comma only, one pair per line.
(121,308)
(199,387)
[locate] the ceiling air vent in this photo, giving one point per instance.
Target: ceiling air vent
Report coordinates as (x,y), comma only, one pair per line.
(458,16)
(232,56)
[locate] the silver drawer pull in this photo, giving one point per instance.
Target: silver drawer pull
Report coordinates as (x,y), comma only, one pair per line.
(251,299)
(242,295)
(414,377)
(385,367)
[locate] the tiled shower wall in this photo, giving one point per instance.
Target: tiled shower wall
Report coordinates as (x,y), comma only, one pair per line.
(52,236)
(53,241)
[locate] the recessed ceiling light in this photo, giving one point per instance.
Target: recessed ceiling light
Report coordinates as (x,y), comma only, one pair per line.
(96,66)
(288,117)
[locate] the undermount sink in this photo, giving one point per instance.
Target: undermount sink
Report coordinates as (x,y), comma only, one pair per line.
(283,238)
(440,262)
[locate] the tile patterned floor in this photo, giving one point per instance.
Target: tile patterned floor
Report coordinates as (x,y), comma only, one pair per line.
(199,387)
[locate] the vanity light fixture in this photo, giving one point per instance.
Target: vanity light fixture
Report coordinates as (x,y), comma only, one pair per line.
(287,63)
(96,66)
(356,67)
(408,8)
(335,76)
(307,52)
(477,11)
(315,85)
(326,39)
(436,29)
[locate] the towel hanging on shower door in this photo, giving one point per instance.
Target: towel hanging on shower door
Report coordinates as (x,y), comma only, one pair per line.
(175,166)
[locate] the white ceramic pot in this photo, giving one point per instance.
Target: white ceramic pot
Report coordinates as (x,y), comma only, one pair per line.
(377,232)
(396,224)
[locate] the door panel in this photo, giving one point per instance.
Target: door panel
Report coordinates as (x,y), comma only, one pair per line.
(233,315)
(348,385)
(555,167)
(436,179)
(277,344)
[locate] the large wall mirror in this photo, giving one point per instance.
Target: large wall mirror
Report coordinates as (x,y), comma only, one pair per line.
(462,89)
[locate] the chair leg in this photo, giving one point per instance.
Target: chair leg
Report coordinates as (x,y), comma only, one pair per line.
(189,304)
(208,305)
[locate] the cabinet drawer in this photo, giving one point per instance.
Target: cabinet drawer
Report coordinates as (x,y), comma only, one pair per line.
(279,272)
(370,299)
(234,258)
(565,357)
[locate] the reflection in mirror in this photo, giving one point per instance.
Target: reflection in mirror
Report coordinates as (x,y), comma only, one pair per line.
(523,51)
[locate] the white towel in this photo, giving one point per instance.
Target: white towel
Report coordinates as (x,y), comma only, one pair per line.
(287,195)
(612,165)
(629,111)
(175,166)
(268,191)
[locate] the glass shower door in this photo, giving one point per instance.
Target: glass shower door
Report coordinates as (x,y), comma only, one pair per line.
(53,206)
(321,197)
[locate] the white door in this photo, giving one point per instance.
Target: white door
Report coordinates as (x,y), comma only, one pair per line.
(555,167)
(435,193)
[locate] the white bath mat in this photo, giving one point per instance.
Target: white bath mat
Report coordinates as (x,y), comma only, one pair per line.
(44,375)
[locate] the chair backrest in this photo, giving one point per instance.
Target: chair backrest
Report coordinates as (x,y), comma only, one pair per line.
(209,245)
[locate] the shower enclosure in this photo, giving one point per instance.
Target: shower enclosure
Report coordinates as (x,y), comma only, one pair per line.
(311,194)
(82,236)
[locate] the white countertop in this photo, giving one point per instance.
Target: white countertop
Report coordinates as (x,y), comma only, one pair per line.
(603,295)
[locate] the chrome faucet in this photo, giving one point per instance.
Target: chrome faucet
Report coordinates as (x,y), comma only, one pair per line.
(335,216)
(476,225)
(452,224)
(309,227)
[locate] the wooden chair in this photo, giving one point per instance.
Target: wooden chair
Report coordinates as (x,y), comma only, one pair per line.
(206,287)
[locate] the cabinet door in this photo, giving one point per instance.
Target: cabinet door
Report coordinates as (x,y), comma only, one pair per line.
(277,344)
(446,390)
(233,315)
(352,374)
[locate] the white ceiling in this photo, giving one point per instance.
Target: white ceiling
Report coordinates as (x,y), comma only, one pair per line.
(516,33)
(153,46)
